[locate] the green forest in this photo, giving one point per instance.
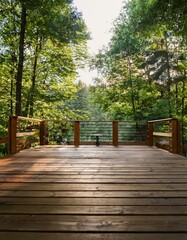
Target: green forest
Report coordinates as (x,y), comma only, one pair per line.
(142,72)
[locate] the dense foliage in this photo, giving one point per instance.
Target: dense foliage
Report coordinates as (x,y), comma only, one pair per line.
(144,67)
(41,45)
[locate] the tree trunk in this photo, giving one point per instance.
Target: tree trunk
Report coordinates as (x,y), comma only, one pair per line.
(20,61)
(12,83)
(169,77)
(11,97)
(34,73)
(26,111)
(131,86)
(32,90)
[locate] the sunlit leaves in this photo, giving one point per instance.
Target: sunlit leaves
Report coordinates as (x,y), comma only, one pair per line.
(54,46)
(144,68)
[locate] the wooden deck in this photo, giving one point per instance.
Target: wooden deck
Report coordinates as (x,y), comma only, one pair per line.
(93,193)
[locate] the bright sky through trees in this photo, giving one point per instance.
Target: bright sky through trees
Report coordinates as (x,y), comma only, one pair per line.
(99,16)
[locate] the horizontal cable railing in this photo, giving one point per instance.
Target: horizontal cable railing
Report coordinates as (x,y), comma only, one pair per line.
(27,132)
(89,131)
(59,132)
(132,132)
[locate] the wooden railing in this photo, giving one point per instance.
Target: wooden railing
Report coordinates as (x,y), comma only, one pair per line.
(111,132)
(15,133)
(107,132)
(165,133)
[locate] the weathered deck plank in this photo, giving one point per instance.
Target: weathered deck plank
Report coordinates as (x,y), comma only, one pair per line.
(91,224)
(88,236)
(129,192)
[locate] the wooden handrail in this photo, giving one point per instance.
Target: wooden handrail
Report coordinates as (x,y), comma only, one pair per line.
(26,134)
(29,119)
(162,120)
(111,121)
(162,134)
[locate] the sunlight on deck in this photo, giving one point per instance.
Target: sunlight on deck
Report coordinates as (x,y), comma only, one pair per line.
(89,192)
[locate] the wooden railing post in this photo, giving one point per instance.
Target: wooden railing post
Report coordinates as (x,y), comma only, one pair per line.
(12,131)
(46,142)
(42,133)
(175,140)
(150,130)
(115,133)
(76,133)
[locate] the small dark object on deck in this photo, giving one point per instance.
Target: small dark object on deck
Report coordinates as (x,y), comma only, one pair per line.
(97,139)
